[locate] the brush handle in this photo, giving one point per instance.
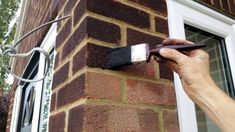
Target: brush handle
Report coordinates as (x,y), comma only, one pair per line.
(178,47)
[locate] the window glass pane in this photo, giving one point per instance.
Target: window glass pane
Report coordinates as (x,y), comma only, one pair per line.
(219,69)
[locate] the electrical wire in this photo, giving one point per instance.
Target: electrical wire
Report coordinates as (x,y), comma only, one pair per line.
(10,50)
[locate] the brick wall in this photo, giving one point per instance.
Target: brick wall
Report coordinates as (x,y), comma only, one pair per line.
(88,98)
(226,7)
(38,12)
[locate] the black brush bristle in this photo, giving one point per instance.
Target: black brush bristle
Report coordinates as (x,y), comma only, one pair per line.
(118,57)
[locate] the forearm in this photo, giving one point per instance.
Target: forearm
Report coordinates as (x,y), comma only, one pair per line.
(217,105)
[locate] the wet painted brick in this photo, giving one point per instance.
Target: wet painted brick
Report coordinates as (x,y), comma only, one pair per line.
(76,119)
(150,93)
(142,70)
(170,121)
(165,72)
(158,5)
(63,34)
(91,55)
(113,9)
(93,28)
(71,92)
(102,118)
(103,86)
(136,37)
(61,75)
(161,25)
(57,122)
(103,31)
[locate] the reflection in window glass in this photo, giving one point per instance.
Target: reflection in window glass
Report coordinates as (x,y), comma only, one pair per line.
(219,70)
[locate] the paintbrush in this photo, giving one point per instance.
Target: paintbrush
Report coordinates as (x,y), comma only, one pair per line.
(123,56)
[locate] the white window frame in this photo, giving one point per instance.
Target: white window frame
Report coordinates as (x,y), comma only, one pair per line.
(47,44)
(189,12)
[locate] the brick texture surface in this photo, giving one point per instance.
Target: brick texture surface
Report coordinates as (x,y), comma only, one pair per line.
(150,93)
(90,55)
(232,6)
(158,5)
(93,28)
(161,25)
(61,75)
(170,121)
(140,70)
(99,118)
(64,33)
(71,92)
(53,102)
(116,10)
(136,37)
(57,122)
(76,119)
(103,86)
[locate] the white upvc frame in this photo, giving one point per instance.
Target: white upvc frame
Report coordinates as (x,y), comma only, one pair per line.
(189,12)
(47,44)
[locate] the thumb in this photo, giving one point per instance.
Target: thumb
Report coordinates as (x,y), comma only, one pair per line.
(172,54)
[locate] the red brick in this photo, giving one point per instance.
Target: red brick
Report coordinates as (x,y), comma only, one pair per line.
(232,6)
(225,5)
(150,93)
(103,86)
(75,39)
(57,122)
(158,5)
(61,3)
(141,70)
(54,9)
(136,37)
(97,55)
(103,31)
(57,60)
(76,119)
(79,10)
(170,121)
(61,75)
(80,60)
(104,118)
(217,4)
(69,6)
(90,55)
(93,28)
(161,25)
(53,102)
(165,72)
(114,9)
(71,92)
(63,34)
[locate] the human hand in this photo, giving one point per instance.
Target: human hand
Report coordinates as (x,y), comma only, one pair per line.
(192,66)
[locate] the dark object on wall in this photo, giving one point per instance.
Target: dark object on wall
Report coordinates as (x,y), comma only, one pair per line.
(118,57)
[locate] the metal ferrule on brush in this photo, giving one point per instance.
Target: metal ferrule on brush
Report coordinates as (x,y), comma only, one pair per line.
(139,53)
